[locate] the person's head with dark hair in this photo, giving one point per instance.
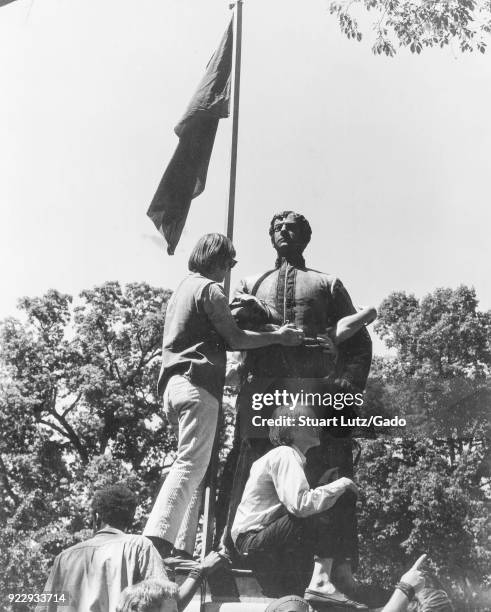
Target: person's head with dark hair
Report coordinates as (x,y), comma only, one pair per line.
(433,600)
(290,233)
(212,256)
(114,505)
(291,427)
(149,596)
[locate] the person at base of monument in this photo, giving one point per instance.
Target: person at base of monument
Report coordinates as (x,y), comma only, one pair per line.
(149,596)
(198,328)
(94,572)
(156,595)
(412,594)
(429,600)
(410,584)
(289,533)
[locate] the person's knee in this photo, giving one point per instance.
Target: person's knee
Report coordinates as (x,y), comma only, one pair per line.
(336,515)
(191,465)
(195,449)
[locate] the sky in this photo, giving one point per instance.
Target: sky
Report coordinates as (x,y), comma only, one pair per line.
(388,158)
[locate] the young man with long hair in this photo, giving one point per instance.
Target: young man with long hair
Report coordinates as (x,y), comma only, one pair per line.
(198,330)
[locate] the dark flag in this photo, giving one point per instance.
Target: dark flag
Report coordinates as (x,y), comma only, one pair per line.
(185,176)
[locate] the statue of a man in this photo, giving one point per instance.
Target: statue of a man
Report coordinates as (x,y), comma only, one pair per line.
(314,301)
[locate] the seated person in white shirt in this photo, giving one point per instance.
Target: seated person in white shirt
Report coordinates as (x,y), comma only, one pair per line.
(291,534)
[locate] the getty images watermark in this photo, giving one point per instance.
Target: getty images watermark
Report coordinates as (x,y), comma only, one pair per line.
(337,401)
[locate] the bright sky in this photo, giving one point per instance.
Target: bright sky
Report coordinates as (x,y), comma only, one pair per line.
(389,159)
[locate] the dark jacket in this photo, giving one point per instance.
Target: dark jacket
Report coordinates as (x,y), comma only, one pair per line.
(314,302)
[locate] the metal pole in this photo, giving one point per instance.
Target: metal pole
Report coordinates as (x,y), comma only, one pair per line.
(235,127)
(210,486)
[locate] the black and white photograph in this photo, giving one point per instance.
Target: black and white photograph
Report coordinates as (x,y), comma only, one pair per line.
(245,318)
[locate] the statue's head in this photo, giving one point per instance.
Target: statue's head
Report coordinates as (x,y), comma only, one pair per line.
(290,233)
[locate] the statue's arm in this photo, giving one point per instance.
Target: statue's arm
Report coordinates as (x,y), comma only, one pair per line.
(355,354)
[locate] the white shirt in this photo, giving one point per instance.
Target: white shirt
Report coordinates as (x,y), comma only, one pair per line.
(277,485)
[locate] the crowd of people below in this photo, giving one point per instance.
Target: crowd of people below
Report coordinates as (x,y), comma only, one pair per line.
(115,571)
(291,515)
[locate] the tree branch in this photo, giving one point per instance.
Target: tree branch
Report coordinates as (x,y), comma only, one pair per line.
(143,362)
(55,427)
(72,405)
(71,434)
(114,365)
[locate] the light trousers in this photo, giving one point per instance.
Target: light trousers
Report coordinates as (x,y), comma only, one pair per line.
(193,414)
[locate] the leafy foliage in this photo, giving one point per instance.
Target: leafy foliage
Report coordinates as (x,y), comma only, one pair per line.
(418,24)
(426,488)
(413,502)
(78,408)
(440,379)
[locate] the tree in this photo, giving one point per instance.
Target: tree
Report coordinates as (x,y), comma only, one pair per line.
(95,389)
(418,24)
(426,486)
(440,379)
(413,502)
(79,409)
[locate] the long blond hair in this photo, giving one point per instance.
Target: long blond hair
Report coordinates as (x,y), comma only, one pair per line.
(142,596)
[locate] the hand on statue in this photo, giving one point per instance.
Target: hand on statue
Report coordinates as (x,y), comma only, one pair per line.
(245,297)
(212,562)
(289,335)
(349,485)
(269,327)
(414,577)
(327,344)
(344,386)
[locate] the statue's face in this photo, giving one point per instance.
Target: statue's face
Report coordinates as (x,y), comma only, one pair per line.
(287,236)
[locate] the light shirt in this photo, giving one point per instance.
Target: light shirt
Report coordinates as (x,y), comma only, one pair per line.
(95,572)
(277,485)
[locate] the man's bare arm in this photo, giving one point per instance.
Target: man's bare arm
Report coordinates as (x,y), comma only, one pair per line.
(239,339)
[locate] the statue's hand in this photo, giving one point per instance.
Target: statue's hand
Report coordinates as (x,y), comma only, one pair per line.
(327,344)
(344,386)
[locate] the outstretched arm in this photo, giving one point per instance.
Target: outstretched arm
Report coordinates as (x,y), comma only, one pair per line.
(355,354)
(413,579)
(188,588)
(294,491)
(348,326)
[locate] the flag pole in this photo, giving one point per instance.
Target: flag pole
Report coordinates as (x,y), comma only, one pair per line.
(210,482)
(237,5)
